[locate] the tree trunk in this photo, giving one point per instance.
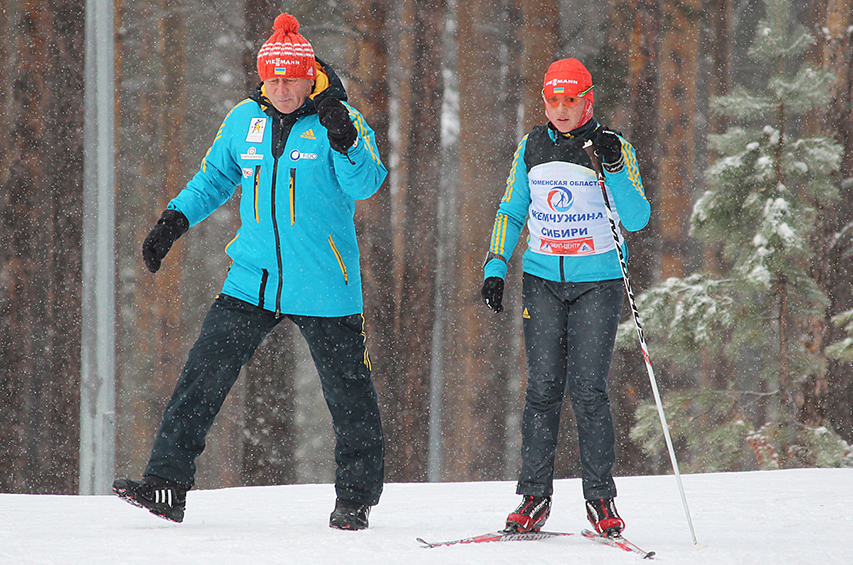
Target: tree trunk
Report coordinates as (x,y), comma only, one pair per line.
(151,346)
(718,82)
(643,53)
(41,211)
(829,394)
(368,90)
(259,16)
(421,89)
(677,130)
(540,42)
(637,40)
(148,344)
(481,356)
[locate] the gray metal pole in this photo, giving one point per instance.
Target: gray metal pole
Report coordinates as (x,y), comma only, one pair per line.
(446,228)
(97,378)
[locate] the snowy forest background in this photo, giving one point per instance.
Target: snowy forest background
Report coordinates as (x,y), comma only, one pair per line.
(745,144)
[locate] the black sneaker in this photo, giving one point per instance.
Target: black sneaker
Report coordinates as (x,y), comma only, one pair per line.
(349,515)
(530,515)
(161,497)
(603,517)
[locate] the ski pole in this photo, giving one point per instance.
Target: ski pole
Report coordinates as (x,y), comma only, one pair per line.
(624,265)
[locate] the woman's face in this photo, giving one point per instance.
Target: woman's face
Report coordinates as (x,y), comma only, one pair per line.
(564,111)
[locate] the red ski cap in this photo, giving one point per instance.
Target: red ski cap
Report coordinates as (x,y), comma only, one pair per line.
(568,77)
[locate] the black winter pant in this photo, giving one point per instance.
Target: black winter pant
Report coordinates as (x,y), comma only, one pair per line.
(569,333)
(230,334)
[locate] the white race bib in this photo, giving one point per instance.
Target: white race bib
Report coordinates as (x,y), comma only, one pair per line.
(567,214)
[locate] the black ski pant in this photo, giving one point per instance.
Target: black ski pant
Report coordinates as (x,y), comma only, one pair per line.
(569,333)
(230,334)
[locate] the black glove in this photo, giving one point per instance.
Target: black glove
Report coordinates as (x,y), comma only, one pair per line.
(493,293)
(171,225)
(335,118)
(607,146)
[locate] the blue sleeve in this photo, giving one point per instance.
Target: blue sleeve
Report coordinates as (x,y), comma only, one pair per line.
(214,183)
(511,216)
(362,179)
(628,194)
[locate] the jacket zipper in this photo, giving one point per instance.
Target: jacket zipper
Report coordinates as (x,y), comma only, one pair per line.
(264,278)
(278,142)
(292,196)
(277,240)
(257,186)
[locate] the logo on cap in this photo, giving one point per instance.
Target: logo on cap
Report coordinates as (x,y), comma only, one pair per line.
(556,81)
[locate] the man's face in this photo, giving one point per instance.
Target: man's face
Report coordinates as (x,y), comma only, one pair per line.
(288,94)
(564,111)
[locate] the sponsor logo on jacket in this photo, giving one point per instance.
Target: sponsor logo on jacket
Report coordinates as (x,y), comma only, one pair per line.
(256,130)
(296,155)
(251,154)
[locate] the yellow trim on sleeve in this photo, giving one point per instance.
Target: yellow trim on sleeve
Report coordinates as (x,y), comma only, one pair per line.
(361,128)
(632,167)
(510,181)
(339,258)
(499,234)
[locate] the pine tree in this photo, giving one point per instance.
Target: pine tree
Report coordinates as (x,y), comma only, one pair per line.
(760,206)
(843,350)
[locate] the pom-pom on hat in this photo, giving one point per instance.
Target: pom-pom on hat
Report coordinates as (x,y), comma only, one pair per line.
(286,53)
(570,78)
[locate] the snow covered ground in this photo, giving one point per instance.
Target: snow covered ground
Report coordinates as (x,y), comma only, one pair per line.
(740,518)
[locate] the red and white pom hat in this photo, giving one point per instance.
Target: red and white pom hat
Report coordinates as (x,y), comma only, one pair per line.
(286,53)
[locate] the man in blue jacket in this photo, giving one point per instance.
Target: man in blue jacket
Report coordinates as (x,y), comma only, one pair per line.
(302,157)
(572,288)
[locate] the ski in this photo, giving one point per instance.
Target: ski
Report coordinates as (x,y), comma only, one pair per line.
(617,541)
(613,541)
(496,536)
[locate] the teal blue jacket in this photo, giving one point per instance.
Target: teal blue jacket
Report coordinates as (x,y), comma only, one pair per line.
(295,251)
(552,190)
